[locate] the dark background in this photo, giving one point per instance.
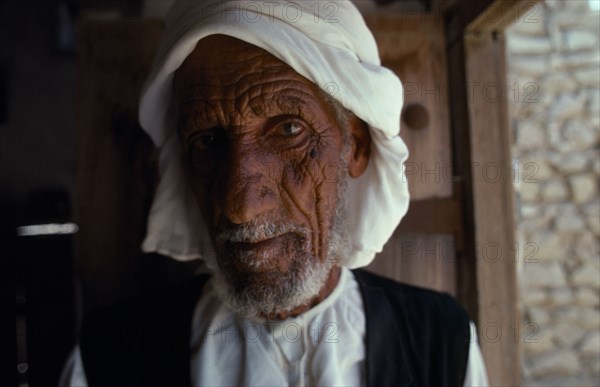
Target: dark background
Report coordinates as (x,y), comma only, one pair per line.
(37,182)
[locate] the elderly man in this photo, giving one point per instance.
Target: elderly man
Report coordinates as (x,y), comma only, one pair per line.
(281,167)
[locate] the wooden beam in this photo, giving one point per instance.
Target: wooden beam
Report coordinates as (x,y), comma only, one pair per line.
(433,216)
(437,216)
(493,210)
(466,279)
(481,137)
(485,16)
(500,14)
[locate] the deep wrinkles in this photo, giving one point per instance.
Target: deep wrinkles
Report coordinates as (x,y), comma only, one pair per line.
(242,105)
(235,97)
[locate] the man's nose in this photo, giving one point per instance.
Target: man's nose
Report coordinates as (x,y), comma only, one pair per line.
(246,187)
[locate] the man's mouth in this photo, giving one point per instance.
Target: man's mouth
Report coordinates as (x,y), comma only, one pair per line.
(257,244)
(261,255)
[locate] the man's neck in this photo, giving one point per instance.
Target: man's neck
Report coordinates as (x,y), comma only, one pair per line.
(330,284)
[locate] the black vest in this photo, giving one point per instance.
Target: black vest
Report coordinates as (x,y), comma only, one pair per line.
(415,337)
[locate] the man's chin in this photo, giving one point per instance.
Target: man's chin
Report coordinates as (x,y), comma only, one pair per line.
(243,264)
(268,290)
(252,280)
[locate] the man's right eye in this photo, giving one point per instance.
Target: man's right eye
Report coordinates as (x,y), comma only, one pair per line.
(206,141)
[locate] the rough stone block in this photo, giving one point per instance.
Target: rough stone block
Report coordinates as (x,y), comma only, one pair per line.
(568,163)
(581,20)
(529,65)
(584,187)
(593,219)
(583,135)
(580,40)
(566,335)
(569,222)
(554,5)
(533,297)
(529,45)
(530,211)
(530,226)
(530,135)
(538,315)
(561,209)
(560,362)
(596,165)
(551,246)
(588,275)
(544,274)
(568,105)
(556,83)
(595,369)
(587,297)
(586,317)
(541,343)
(562,296)
(587,246)
(593,104)
(535,169)
(580,59)
(577,136)
(590,345)
(529,192)
(555,191)
(588,77)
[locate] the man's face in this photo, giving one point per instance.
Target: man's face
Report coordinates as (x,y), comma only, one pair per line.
(266,160)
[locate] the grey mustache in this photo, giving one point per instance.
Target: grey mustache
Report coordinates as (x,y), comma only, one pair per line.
(254,232)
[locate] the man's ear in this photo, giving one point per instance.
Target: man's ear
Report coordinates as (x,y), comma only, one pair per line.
(360,144)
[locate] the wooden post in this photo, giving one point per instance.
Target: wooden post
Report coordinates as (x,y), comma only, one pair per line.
(493,209)
(482,141)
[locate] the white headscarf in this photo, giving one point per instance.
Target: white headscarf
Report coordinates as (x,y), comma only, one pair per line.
(327,42)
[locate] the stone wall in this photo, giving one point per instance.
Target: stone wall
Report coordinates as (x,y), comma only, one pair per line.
(554,91)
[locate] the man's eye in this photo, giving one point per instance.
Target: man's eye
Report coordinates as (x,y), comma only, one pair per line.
(204,151)
(290,128)
(207,141)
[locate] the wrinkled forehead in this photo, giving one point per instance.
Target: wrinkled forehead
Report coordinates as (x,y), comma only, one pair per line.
(226,81)
(221,61)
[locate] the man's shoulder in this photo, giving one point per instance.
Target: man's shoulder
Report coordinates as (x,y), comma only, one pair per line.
(426,328)
(414,302)
(409,293)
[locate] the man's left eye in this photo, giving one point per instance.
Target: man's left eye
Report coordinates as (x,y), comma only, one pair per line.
(290,128)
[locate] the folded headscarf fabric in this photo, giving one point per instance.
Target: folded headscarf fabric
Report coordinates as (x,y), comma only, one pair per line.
(327,42)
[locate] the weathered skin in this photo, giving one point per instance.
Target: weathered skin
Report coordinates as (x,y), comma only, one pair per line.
(262,143)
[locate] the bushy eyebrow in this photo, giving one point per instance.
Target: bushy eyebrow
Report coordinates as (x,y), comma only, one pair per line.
(290,102)
(191,113)
(284,103)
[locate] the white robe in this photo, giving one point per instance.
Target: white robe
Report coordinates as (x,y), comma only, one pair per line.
(323,346)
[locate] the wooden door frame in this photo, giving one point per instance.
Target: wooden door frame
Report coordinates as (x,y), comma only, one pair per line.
(486,283)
